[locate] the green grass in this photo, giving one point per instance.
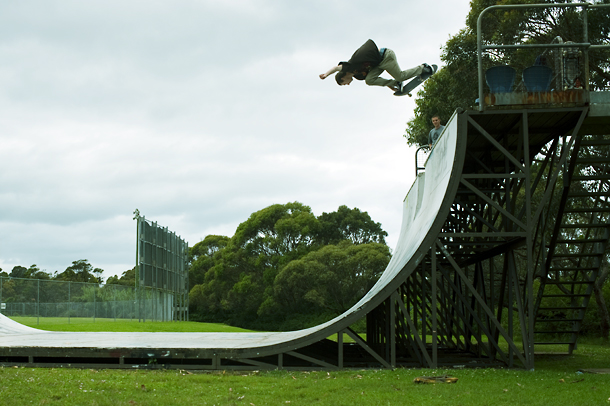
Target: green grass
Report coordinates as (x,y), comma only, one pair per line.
(555,381)
(559,386)
(88,324)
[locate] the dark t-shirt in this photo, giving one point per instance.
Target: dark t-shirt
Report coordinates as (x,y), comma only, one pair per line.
(365,58)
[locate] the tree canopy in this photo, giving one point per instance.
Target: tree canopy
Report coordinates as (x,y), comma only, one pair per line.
(456,84)
(81,271)
(33,272)
(247,279)
(330,279)
(127,278)
(349,224)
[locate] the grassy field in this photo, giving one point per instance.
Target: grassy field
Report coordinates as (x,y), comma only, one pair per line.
(556,380)
(88,324)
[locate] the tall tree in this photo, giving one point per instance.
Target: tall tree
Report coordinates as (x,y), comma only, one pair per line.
(202,257)
(238,278)
(349,224)
(331,279)
(127,278)
(244,270)
(456,84)
(33,272)
(81,271)
(19,272)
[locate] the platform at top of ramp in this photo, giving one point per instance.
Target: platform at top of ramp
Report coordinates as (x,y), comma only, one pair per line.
(424,212)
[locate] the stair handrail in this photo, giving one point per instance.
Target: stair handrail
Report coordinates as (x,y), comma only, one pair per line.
(586,46)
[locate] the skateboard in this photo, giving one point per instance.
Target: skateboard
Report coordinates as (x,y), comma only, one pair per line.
(408,88)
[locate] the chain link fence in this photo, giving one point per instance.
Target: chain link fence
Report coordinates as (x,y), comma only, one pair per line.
(64,299)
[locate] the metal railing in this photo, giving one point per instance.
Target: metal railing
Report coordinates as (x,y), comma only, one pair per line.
(585,45)
(420,159)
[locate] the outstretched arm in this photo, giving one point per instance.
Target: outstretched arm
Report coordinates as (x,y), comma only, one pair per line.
(330,71)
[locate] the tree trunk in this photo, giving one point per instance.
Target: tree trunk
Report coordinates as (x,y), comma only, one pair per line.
(602,309)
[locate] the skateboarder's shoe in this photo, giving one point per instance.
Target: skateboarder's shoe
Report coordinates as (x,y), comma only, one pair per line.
(427,71)
(407,88)
(399,86)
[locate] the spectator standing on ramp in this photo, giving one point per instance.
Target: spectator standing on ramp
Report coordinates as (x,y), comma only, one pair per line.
(369,62)
(436,131)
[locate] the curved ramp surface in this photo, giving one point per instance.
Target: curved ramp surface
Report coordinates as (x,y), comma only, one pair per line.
(424,211)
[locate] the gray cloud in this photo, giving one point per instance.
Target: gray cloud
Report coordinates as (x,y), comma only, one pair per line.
(197,113)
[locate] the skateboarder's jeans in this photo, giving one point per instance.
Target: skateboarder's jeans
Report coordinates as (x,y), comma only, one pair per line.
(390,65)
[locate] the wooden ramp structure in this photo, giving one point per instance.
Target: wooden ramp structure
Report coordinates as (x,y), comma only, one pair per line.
(503,235)
(493,261)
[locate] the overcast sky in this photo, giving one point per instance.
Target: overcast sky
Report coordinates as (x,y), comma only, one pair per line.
(197,113)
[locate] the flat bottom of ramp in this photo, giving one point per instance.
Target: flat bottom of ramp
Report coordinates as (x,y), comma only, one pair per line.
(603,371)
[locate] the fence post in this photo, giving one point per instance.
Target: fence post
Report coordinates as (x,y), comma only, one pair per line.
(38,304)
(69,302)
(114,303)
(94,304)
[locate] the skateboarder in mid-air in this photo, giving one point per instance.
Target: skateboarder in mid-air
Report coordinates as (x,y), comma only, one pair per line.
(368,62)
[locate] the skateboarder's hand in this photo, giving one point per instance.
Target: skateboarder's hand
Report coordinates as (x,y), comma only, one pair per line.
(330,72)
